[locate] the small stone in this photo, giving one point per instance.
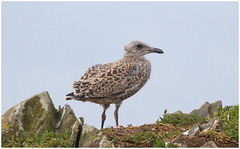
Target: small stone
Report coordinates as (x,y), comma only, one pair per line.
(193,131)
(129,125)
(120,126)
(209,144)
(153,129)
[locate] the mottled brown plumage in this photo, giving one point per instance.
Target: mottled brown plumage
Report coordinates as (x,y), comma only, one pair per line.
(110,83)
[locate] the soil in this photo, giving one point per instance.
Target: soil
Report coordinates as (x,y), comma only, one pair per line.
(118,134)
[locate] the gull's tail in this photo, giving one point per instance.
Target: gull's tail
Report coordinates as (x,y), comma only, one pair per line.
(71,96)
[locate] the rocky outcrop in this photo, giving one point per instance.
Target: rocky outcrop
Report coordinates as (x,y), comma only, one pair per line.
(34,115)
(37,115)
(207,109)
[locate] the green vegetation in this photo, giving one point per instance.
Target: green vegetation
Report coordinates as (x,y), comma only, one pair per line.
(150,138)
(229,118)
(181,120)
(228,115)
(141,137)
(47,139)
(161,143)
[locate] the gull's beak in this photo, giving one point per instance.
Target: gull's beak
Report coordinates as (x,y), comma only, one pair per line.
(157,50)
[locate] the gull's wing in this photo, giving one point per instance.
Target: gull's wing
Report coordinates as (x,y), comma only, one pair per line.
(108,80)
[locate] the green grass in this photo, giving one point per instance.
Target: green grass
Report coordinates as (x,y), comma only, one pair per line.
(149,138)
(229,118)
(181,120)
(47,139)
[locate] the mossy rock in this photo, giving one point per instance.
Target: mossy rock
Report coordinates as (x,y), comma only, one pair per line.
(34,115)
(92,137)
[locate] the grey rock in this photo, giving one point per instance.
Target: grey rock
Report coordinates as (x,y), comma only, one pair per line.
(193,130)
(214,124)
(209,144)
(194,112)
(34,115)
(213,108)
(76,130)
(65,119)
(92,137)
(207,109)
(104,142)
(88,135)
(179,112)
(129,125)
(203,111)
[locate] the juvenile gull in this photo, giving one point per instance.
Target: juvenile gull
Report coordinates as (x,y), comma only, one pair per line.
(112,83)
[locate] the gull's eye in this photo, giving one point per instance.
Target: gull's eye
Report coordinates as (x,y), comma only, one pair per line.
(139,46)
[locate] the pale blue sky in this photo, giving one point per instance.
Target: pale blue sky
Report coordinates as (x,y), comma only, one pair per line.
(48,45)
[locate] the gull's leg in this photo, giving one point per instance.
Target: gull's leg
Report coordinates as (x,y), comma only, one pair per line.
(116,113)
(105,106)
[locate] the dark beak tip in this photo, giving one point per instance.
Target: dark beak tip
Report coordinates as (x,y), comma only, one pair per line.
(157,50)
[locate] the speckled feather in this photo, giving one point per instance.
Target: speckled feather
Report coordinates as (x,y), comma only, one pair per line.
(113,82)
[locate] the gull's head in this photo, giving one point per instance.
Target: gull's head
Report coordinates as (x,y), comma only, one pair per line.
(138,48)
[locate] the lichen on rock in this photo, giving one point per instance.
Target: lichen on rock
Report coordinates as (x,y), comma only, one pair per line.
(34,115)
